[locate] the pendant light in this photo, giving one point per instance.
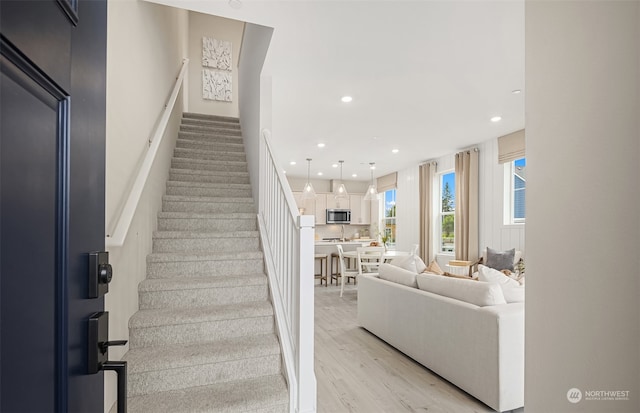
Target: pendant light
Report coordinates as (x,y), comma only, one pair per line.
(340,192)
(308,192)
(372,192)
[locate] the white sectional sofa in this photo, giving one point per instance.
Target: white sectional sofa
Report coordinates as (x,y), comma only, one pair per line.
(480,349)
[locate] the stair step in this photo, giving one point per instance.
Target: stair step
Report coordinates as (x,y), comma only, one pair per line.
(166,265)
(162,326)
(210,146)
(188,292)
(217,118)
(214,123)
(205,189)
(177,241)
(209,155)
(194,175)
(212,131)
(209,165)
(173,203)
(185,221)
(262,395)
(210,137)
(157,369)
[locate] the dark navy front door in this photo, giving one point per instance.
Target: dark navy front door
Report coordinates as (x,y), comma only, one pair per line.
(52,151)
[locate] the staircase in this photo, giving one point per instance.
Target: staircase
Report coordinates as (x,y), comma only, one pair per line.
(204,338)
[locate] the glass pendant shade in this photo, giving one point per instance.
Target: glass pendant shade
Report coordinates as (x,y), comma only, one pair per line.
(308,192)
(340,192)
(372,192)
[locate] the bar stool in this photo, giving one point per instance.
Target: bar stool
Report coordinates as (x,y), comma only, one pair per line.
(323,269)
(335,274)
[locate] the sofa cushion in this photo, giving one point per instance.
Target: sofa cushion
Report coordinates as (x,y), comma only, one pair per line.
(411,263)
(434,268)
(397,275)
(479,293)
(511,289)
(500,260)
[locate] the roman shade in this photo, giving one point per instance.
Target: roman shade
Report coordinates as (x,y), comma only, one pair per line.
(387,182)
(511,147)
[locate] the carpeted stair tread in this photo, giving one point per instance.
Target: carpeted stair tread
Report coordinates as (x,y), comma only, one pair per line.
(200,215)
(205,162)
(225,200)
(196,283)
(192,234)
(193,115)
(206,172)
(267,394)
(209,256)
(169,316)
(143,359)
(211,130)
(212,185)
(209,146)
(191,121)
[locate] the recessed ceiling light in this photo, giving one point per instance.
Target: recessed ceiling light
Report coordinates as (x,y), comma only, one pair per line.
(395,150)
(321,145)
(335,165)
(354,175)
(496,119)
(346,99)
(372,167)
(292,163)
(319,173)
(284,172)
(516,91)
(235,4)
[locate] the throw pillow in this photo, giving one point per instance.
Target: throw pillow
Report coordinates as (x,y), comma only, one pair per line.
(500,260)
(397,275)
(512,290)
(434,268)
(473,292)
(410,263)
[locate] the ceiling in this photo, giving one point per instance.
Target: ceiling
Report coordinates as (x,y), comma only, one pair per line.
(426,77)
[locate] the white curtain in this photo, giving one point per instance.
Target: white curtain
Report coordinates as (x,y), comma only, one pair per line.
(466,213)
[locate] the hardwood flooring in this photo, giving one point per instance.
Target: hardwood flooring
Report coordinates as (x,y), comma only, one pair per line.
(358,372)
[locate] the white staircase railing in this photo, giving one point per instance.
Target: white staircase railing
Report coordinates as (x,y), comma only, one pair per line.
(288,244)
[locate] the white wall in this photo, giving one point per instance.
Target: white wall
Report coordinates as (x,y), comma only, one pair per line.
(145,47)
(492,231)
(254,49)
(583,235)
(219,28)
(408,208)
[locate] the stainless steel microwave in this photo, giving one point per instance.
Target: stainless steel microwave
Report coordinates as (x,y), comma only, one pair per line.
(338,216)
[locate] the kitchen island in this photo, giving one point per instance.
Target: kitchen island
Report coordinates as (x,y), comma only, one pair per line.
(329,246)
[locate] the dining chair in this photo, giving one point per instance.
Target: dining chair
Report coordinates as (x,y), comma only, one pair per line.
(344,271)
(369,259)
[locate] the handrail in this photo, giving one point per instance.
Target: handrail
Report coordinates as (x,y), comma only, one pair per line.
(126,216)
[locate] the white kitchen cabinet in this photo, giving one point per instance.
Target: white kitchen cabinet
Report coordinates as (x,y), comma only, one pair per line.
(333,203)
(316,207)
(360,210)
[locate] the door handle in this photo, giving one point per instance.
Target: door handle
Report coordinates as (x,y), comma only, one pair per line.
(99,355)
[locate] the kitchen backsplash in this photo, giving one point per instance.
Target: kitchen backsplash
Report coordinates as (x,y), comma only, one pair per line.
(335,231)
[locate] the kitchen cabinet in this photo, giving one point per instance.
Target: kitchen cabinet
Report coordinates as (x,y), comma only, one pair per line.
(316,207)
(333,203)
(360,210)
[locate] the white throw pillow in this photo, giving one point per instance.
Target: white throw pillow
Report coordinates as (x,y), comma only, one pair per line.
(479,293)
(512,290)
(411,263)
(397,275)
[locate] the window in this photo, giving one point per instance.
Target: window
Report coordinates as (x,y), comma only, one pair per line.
(388,232)
(515,182)
(447,211)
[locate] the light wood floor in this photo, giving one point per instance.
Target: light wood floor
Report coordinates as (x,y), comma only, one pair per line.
(358,372)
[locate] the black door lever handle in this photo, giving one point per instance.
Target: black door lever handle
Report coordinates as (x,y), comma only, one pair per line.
(104,345)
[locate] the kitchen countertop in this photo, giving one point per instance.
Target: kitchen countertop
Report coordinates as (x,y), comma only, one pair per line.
(350,242)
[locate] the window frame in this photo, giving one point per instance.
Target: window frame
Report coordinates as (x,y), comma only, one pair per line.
(384,217)
(510,194)
(442,214)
